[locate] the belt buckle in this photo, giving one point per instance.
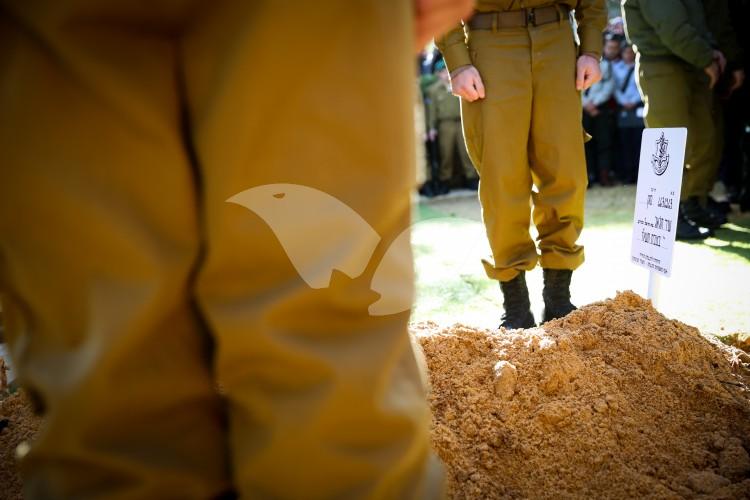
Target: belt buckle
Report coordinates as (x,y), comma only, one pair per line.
(531,17)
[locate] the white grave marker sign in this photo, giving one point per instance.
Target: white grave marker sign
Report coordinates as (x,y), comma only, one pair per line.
(658,198)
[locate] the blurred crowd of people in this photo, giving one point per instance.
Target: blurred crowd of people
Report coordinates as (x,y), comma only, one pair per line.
(613,114)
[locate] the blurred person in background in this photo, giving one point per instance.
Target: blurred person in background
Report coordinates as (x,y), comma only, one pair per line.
(430,187)
(629,115)
(132,290)
(444,125)
(517,69)
(599,118)
(615,27)
(731,81)
(420,138)
(678,66)
(735,166)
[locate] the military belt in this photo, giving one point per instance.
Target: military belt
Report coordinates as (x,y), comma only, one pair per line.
(518,18)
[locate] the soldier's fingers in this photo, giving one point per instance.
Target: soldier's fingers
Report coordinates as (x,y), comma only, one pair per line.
(579,79)
(470,94)
(590,78)
(479,86)
(594,77)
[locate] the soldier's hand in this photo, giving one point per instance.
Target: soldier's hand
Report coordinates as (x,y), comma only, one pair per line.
(591,109)
(466,83)
(714,72)
(738,79)
(588,71)
(435,17)
(721,60)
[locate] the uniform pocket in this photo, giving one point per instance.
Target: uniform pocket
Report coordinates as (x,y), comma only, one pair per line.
(471,119)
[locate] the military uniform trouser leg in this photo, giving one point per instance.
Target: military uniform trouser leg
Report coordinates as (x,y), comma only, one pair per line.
(717,150)
(678,96)
(452,145)
(528,130)
(131,287)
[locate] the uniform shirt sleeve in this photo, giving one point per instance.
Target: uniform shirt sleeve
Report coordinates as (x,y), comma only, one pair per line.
(671,24)
(454,49)
(591,18)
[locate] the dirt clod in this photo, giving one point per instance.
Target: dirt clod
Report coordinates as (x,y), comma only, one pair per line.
(21,425)
(707,481)
(613,401)
(505,379)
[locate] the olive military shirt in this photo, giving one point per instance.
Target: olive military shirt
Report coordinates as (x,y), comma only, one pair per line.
(659,28)
(590,15)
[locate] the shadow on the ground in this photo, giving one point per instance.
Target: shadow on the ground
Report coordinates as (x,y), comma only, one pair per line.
(733,237)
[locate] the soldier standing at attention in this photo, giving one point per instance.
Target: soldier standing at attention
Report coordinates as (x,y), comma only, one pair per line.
(444,122)
(516,66)
(677,67)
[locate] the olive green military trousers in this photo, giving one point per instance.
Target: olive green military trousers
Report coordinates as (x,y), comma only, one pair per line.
(452,146)
(171,343)
(677,95)
(527,132)
(717,147)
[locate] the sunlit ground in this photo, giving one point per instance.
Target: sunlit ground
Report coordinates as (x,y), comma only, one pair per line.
(709,287)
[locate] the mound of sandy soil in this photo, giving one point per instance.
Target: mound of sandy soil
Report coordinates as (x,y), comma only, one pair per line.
(18,425)
(613,401)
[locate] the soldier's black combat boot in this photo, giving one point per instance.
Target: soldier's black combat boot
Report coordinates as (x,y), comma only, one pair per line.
(556,294)
(692,210)
(516,304)
(687,230)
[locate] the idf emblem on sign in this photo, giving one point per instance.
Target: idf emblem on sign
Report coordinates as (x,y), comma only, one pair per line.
(660,160)
(657,201)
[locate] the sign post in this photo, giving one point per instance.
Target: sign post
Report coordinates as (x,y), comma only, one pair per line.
(657,203)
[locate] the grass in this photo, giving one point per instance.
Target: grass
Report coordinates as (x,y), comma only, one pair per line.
(708,288)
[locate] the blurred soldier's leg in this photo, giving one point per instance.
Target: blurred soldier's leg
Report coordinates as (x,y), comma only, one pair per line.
(447,143)
(678,96)
(717,146)
(422,173)
(704,154)
(497,133)
(99,241)
(325,398)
